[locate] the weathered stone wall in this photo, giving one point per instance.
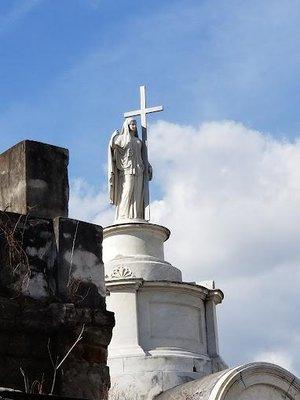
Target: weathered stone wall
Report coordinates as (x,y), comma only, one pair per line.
(34,178)
(52,287)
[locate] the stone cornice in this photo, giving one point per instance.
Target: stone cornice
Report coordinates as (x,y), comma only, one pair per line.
(121,284)
(124,227)
(137,283)
(216,296)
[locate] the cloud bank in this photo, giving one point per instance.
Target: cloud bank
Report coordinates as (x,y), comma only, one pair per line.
(230,196)
(233,192)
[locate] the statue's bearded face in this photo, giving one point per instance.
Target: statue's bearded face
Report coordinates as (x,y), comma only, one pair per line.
(132,125)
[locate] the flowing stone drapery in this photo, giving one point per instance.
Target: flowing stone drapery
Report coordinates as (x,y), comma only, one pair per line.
(126,173)
(129,171)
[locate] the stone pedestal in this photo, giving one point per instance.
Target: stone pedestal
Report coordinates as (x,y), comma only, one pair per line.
(166,332)
(137,250)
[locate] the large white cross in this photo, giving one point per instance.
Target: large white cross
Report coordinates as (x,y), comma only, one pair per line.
(142,112)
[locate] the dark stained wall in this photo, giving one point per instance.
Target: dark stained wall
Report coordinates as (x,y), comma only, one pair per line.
(34,179)
(51,280)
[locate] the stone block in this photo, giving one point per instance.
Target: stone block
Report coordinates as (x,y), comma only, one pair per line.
(9,310)
(25,343)
(34,179)
(21,344)
(51,280)
(98,336)
(33,368)
(95,354)
(85,380)
(100,318)
(80,273)
(27,255)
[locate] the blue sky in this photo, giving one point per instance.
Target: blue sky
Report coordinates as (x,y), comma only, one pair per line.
(70,68)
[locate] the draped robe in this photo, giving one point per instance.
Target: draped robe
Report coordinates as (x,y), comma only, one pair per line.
(126,176)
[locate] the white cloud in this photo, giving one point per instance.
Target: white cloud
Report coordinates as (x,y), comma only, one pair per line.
(280,357)
(231,197)
(233,192)
(89,205)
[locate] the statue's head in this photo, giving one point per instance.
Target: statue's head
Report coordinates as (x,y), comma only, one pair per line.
(130,126)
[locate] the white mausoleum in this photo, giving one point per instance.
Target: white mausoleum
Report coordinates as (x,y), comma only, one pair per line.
(166,329)
(166,332)
(165,342)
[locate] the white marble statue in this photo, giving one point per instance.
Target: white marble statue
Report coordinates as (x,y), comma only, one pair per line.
(129,171)
(126,172)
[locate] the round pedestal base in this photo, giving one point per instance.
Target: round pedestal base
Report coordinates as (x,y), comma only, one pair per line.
(136,250)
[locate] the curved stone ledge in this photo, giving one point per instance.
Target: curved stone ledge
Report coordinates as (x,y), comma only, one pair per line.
(124,227)
(147,268)
(250,381)
(181,287)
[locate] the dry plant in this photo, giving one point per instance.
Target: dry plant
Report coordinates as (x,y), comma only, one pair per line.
(36,385)
(13,254)
(78,291)
(72,253)
(73,286)
(56,364)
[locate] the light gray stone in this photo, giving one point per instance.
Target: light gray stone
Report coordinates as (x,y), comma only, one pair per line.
(144,386)
(248,382)
(165,333)
(129,171)
(136,250)
(160,326)
(34,179)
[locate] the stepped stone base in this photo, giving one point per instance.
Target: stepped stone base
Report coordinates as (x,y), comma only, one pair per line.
(135,250)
